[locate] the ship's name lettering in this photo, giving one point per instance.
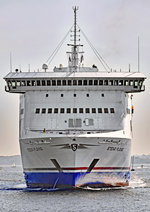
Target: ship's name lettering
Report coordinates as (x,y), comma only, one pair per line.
(111,148)
(35,149)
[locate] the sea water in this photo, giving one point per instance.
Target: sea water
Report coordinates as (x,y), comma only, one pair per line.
(14,196)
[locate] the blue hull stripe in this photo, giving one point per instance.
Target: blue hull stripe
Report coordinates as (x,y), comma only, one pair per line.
(68,180)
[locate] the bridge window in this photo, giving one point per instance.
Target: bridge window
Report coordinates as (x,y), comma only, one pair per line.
(37,110)
(87,94)
(64,82)
(120,82)
(126,82)
(23,83)
(18,83)
(53,82)
(100,82)
(112,110)
(43,83)
(90,82)
(110,82)
(95,82)
(48,82)
(49,110)
(33,82)
(74,95)
(58,82)
(102,95)
(79,82)
(69,82)
(43,110)
(105,82)
(28,83)
(136,84)
(62,95)
(116,82)
(131,82)
(84,82)
(46,95)
(74,82)
(105,110)
(38,83)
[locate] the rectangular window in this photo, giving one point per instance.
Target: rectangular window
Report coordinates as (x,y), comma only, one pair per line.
(37,110)
(68,110)
(55,110)
(84,82)
(64,82)
(112,110)
(62,110)
(95,82)
(105,110)
(38,83)
(87,110)
(58,82)
(48,82)
(80,82)
(90,82)
(74,110)
(80,110)
(43,83)
(43,110)
(74,82)
(99,110)
(49,110)
(100,82)
(93,110)
(53,82)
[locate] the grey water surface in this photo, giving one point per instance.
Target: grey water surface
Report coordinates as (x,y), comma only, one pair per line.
(14,198)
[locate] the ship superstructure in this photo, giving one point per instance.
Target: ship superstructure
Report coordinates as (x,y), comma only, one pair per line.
(75,124)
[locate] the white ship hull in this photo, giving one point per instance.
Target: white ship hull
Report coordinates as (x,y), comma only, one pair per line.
(89,161)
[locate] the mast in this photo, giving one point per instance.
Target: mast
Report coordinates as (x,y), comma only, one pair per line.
(73,57)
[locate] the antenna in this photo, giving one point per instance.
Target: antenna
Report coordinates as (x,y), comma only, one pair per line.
(138,54)
(10,62)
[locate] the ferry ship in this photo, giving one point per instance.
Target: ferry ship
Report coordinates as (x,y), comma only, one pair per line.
(75,125)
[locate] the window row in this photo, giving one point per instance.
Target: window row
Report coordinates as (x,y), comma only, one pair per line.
(74,110)
(95,82)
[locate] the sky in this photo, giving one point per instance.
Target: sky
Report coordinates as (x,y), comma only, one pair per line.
(32,29)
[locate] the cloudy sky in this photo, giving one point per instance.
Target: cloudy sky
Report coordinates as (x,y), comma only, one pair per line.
(31,30)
